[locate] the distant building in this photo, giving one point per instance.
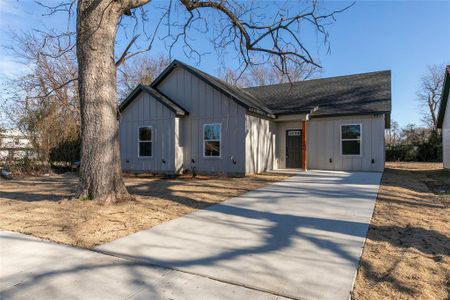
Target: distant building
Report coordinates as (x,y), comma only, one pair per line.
(444,119)
(14,145)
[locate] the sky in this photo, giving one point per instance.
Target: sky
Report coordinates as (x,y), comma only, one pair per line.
(402,36)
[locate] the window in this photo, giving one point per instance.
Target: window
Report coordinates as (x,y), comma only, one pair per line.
(145,141)
(211,140)
(351,139)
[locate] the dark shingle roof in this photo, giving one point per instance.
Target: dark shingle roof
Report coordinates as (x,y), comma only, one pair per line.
(367,93)
(170,104)
(343,95)
(239,95)
(444,97)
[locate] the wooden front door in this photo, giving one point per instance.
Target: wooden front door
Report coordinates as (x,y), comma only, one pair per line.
(293,148)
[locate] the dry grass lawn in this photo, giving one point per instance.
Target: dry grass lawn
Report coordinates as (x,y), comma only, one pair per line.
(406,256)
(407,252)
(41,206)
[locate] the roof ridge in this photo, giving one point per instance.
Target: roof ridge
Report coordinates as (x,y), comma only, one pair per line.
(232,87)
(316,79)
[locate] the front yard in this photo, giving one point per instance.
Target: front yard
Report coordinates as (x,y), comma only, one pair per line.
(406,255)
(41,206)
(407,252)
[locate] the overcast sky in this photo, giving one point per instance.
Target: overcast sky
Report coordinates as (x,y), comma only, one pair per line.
(402,36)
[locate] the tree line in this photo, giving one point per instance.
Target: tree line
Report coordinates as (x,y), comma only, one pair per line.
(420,143)
(52,120)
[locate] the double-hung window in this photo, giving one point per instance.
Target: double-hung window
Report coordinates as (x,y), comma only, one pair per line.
(145,141)
(351,139)
(212,136)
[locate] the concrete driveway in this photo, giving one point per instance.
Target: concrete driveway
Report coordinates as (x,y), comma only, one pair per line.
(300,238)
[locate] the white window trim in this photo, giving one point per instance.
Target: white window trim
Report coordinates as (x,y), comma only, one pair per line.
(360,140)
(139,140)
(219,140)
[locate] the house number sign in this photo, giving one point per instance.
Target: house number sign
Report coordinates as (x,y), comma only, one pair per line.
(294,133)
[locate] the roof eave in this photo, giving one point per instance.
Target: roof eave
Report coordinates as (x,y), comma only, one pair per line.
(387,115)
(171,105)
(176,108)
(307,110)
(444,99)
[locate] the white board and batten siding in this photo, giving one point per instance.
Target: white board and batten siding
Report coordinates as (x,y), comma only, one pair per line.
(147,111)
(259,144)
(206,105)
(324,144)
(446,136)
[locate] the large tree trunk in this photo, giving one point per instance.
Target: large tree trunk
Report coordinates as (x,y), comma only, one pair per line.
(100,170)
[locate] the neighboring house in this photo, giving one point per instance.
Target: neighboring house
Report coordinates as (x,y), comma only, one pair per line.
(189,119)
(14,145)
(444,119)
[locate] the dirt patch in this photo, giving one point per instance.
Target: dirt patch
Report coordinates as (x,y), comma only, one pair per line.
(407,252)
(41,206)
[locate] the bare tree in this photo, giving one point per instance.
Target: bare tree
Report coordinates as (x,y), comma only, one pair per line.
(242,25)
(429,94)
(270,73)
(48,118)
(393,135)
(139,70)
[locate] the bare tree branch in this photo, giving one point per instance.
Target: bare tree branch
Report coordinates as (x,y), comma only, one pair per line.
(429,94)
(123,57)
(58,87)
(252,36)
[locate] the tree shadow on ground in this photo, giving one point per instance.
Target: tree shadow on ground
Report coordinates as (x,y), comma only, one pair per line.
(276,237)
(424,240)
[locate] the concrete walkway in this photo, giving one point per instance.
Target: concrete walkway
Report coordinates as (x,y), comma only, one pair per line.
(300,238)
(31,268)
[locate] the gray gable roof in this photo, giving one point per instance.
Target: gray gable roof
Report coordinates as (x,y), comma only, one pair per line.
(365,93)
(170,104)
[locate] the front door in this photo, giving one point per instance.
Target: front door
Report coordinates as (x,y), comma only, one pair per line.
(293,148)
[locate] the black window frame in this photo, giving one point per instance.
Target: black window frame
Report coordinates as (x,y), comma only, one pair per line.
(359,139)
(212,140)
(145,141)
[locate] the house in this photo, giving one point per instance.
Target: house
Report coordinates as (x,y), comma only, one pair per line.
(14,145)
(188,119)
(444,119)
